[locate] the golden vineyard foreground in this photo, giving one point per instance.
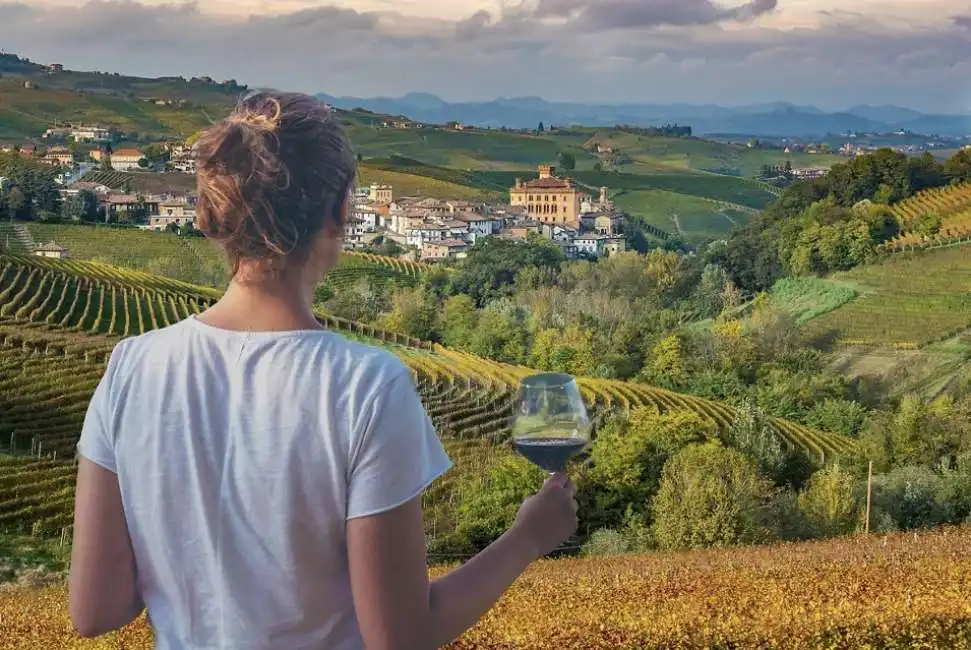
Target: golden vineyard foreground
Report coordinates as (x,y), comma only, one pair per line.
(899,591)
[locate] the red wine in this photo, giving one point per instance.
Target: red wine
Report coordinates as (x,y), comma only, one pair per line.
(551,454)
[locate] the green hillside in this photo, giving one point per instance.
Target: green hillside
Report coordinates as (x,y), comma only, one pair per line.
(906,301)
(193,259)
(694,219)
(60,320)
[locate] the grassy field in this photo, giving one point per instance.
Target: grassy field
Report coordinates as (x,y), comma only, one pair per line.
(902,591)
(29,112)
(695,154)
(414,185)
(694,219)
(807,298)
(476,150)
(909,300)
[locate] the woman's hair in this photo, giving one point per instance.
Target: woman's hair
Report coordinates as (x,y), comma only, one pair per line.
(271,176)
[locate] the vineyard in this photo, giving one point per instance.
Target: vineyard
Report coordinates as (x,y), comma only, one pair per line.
(114,180)
(906,301)
(60,320)
(902,591)
(933,217)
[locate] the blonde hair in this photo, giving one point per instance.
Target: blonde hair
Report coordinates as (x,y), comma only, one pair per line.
(271,176)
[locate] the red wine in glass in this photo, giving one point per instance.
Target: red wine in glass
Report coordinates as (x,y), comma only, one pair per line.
(552,425)
(552,454)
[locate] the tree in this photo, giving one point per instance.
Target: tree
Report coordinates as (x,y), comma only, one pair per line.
(913,497)
(667,366)
(490,270)
(492,499)
(958,167)
(709,294)
(567,161)
(83,205)
(541,128)
(459,321)
(710,495)
(17,204)
(412,314)
(628,455)
(598,166)
(752,434)
(830,504)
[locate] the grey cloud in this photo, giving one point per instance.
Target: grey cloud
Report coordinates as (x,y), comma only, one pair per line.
(555,48)
(614,14)
(473,25)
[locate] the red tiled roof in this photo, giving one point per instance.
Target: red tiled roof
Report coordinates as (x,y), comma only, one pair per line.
(470,216)
(547,184)
(128,152)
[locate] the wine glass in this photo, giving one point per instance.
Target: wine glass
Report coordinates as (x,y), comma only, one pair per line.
(552,424)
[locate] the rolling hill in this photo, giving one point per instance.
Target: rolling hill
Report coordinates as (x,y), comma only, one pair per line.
(189,259)
(695,187)
(777,118)
(60,320)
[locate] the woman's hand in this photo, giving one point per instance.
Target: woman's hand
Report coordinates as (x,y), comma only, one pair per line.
(549,517)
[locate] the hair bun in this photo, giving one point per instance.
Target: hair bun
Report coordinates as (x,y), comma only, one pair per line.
(268,189)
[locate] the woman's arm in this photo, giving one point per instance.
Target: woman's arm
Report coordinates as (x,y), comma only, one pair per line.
(103,591)
(397,607)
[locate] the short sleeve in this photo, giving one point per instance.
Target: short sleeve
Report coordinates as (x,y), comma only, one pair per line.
(96,442)
(397,455)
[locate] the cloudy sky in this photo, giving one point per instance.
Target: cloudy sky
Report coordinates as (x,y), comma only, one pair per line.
(830,53)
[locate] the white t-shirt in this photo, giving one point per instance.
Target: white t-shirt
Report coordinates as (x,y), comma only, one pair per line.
(240,457)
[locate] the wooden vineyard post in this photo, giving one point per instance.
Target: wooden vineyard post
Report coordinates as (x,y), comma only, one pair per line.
(869,494)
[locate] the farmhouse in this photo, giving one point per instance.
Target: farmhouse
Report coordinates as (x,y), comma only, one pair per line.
(58,156)
(444,249)
(124,160)
(52,250)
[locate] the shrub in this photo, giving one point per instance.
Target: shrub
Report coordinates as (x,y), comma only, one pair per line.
(490,501)
(605,541)
(913,497)
(830,504)
(710,496)
(837,416)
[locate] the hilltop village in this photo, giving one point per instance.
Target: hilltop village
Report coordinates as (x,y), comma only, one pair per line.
(100,179)
(440,228)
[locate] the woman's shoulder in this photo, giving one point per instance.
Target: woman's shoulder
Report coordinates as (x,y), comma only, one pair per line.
(366,363)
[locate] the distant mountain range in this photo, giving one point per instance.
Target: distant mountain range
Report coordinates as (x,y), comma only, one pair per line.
(779,119)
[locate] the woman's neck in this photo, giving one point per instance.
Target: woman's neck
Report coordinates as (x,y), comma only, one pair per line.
(264,306)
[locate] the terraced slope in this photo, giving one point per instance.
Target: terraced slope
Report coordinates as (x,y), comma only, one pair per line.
(951,205)
(60,320)
(906,301)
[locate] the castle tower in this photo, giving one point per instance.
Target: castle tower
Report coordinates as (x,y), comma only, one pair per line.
(546,171)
